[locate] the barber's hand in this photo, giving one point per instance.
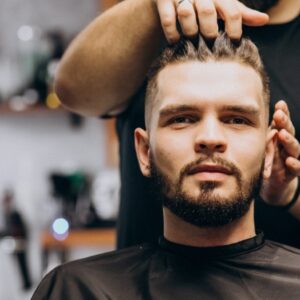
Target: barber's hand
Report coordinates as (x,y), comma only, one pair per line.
(280,187)
(195,15)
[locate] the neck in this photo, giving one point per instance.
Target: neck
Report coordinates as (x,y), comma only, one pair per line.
(178,231)
(284,11)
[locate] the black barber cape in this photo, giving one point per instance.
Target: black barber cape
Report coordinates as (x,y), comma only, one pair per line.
(251,269)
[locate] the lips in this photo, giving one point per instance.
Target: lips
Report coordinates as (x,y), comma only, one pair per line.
(207,168)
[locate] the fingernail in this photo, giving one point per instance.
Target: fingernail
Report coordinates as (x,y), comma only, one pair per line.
(286,135)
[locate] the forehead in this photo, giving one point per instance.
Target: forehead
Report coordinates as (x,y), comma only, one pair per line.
(209,83)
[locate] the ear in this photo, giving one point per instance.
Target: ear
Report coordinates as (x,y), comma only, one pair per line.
(270,152)
(142,149)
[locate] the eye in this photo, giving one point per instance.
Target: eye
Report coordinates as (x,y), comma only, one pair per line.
(237,121)
(181,121)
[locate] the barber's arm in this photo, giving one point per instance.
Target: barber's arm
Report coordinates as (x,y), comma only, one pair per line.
(282,188)
(107,62)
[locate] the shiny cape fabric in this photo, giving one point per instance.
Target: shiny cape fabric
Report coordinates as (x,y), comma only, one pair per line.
(251,269)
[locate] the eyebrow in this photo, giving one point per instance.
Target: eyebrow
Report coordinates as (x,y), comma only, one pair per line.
(244,109)
(174,109)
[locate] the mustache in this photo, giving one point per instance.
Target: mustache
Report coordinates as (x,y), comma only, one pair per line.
(231,167)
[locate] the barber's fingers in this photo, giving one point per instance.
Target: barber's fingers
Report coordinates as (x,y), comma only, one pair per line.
(168,17)
(195,15)
(281,104)
(293,165)
(207,18)
(187,17)
(230,13)
(234,14)
(252,17)
(289,142)
(282,120)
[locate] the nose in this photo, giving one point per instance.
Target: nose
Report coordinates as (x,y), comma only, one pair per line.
(210,137)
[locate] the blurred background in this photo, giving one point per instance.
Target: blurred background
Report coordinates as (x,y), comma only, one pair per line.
(59,179)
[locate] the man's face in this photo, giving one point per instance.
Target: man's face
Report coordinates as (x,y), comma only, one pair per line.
(207,139)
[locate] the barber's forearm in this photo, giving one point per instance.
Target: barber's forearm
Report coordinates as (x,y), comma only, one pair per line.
(295,209)
(108,61)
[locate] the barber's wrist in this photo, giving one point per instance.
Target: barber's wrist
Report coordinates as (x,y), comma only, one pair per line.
(293,200)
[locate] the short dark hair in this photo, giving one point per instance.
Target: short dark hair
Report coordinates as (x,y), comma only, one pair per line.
(223,49)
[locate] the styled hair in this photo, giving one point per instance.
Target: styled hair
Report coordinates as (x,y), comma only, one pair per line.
(222,49)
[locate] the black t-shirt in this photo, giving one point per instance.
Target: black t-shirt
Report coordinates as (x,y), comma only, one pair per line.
(251,269)
(140,217)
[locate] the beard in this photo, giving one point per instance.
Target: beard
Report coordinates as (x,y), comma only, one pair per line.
(208,209)
(261,5)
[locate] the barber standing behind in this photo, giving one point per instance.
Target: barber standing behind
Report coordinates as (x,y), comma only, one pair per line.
(113,55)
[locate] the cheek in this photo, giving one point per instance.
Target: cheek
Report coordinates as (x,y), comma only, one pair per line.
(249,153)
(171,153)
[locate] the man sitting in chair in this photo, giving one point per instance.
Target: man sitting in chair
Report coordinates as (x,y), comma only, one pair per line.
(206,146)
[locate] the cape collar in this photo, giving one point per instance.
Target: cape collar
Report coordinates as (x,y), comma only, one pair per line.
(231,250)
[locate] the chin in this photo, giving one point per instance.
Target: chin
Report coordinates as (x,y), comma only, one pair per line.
(214,190)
